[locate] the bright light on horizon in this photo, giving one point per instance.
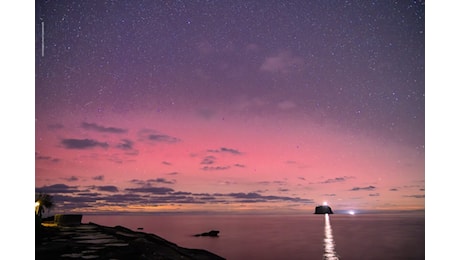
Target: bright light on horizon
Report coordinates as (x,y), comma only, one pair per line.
(325,203)
(351,212)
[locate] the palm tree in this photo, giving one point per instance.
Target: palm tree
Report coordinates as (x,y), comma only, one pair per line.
(42,202)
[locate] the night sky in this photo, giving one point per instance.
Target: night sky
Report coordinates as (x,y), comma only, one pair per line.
(230,106)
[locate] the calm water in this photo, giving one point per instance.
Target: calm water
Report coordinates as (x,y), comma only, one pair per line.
(337,236)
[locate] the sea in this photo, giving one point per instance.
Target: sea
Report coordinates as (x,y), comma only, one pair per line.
(268,237)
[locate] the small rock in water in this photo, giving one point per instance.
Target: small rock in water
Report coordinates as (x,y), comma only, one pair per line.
(212,233)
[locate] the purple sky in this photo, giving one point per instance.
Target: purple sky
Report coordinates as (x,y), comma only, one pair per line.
(271,52)
(230,105)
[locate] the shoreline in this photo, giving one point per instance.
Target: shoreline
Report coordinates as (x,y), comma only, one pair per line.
(94,241)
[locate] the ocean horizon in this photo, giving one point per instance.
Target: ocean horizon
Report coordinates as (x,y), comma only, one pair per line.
(390,235)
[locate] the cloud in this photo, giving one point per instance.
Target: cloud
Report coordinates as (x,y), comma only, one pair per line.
(155,137)
(124,198)
(166,163)
(57,188)
(208,160)
(226,150)
(394,189)
(253,197)
(230,150)
(154,190)
(72,178)
(239,165)
(47,158)
(148,183)
(109,188)
(337,179)
(98,178)
(160,180)
(125,144)
(82,143)
(415,196)
(102,129)
(163,138)
(70,198)
(216,168)
(363,188)
(374,194)
(283,62)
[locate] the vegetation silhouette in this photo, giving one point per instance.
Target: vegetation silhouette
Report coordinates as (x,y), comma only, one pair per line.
(43,201)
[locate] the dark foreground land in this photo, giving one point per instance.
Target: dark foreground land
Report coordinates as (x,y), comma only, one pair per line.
(92,241)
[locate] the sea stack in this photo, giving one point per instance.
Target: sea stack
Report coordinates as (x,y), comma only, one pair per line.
(323,209)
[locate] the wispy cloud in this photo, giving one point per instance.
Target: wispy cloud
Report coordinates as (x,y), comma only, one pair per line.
(208,160)
(417,196)
(155,137)
(102,129)
(71,179)
(47,158)
(163,138)
(283,62)
(225,150)
(363,188)
(335,180)
(161,180)
(82,143)
(216,168)
(153,190)
(98,178)
(125,144)
(253,197)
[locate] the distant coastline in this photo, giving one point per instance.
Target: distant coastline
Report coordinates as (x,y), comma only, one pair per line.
(336,211)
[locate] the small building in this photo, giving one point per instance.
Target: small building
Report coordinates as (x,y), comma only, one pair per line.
(67,219)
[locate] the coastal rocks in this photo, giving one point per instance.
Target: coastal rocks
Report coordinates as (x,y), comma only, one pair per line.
(90,240)
(324,209)
(212,233)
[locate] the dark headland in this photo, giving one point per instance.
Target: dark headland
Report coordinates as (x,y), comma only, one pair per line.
(93,241)
(323,209)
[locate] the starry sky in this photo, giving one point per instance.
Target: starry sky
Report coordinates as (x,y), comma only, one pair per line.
(230,106)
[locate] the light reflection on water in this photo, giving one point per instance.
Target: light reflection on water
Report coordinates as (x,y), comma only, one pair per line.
(329,244)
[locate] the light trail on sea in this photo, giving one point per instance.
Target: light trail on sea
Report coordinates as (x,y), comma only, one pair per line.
(329,244)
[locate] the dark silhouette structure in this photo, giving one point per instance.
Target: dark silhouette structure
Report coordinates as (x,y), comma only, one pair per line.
(212,233)
(324,209)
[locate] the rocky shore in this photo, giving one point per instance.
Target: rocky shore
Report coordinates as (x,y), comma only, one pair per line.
(93,241)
